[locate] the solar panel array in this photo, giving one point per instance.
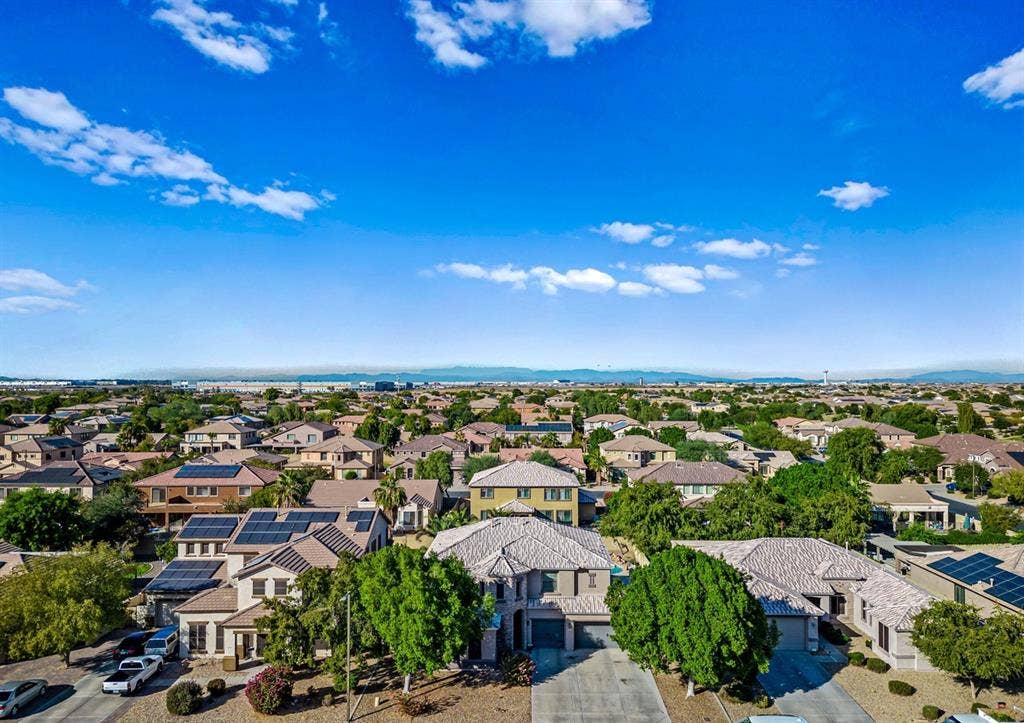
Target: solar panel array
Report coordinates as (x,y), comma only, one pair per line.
(185,575)
(1005,585)
(263,527)
(540,427)
(208,527)
(362,518)
(207,471)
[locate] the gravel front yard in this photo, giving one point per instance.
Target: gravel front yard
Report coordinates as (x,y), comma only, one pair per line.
(701,708)
(871,691)
(453,696)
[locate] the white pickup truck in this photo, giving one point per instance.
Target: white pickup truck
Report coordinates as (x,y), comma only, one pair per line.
(132,674)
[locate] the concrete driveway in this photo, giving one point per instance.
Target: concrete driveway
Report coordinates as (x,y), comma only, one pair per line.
(593,685)
(802,687)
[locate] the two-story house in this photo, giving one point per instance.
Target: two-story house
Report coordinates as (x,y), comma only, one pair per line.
(42,430)
(217,436)
(891,437)
(423,499)
(296,436)
(176,494)
(348,457)
(605,421)
(526,488)
(260,556)
(74,478)
(635,451)
(694,480)
(407,453)
(548,582)
(38,452)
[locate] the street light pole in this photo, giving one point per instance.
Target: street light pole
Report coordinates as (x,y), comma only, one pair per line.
(348,655)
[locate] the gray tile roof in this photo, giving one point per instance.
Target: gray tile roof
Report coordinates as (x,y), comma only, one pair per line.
(524,474)
(572,605)
(529,543)
(680,472)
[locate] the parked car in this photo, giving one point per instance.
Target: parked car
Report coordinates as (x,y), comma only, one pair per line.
(951,487)
(133,645)
(979,717)
(774,719)
(17,694)
(132,674)
(164,642)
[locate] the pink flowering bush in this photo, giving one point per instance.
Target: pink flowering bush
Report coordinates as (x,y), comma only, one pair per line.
(270,690)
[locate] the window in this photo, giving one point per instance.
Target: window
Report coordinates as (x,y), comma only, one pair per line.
(564,516)
(280,587)
(519,588)
(244,491)
(197,636)
(310,438)
(487,493)
(204,548)
(259,587)
(883,637)
(159,494)
(863,611)
(837,605)
(483,588)
(592,579)
(550,494)
(549,582)
(523,493)
(959,593)
(485,515)
(698,489)
(499,591)
(218,640)
(190,548)
(290,437)
(549,514)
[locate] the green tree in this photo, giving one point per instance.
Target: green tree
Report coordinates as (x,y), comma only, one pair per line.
(998,518)
(54,605)
(970,478)
(167,550)
(57,426)
(698,450)
(672,436)
(35,519)
(893,467)
(958,641)
(967,420)
(916,418)
(598,436)
(925,459)
(131,435)
(271,394)
(648,514)
(390,495)
(115,516)
(378,430)
(765,435)
(479,463)
(288,490)
(453,518)
(542,456)
(426,610)
(856,451)
(708,420)
(1010,484)
(436,465)
(690,613)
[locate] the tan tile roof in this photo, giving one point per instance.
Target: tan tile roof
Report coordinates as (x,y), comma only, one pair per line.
(349,493)
(218,599)
(246,618)
(246,476)
(635,443)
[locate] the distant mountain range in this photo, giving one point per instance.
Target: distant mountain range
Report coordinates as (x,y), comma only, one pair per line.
(525,376)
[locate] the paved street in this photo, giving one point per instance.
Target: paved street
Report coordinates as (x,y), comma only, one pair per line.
(957,505)
(802,687)
(593,685)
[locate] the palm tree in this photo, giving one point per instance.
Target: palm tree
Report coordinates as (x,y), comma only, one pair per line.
(58,426)
(288,490)
(389,496)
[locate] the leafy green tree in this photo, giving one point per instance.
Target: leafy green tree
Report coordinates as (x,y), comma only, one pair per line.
(503,415)
(131,434)
(271,394)
(479,463)
(958,641)
(378,430)
(998,518)
(115,516)
(56,604)
(542,456)
(970,478)
(857,451)
(648,514)
(672,436)
(390,495)
(893,467)
(35,519)
(925,459)
(426,610)
(708,420)
(453,518)
(436,465)
(167,550)
(288,490)
(57,426)
(599,436)
(765,435)
(916,418)
(690,613)
(967,420)
(698,450)
(1010,484)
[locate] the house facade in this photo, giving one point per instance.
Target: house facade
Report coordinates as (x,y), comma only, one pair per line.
(423,499)
(346,457)
(216,436)
(694,480)
(408,453)
(526,488)
(173,496)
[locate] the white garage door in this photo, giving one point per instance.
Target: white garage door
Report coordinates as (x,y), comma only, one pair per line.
(791,632)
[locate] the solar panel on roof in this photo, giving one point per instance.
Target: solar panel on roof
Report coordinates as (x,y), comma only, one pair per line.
(208,471)
(263,515)
(362,525)
(357,515)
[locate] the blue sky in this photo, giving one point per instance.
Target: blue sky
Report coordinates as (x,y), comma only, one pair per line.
(672,185)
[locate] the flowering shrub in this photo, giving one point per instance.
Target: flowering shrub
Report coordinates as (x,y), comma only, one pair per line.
(517,669)
(269,690)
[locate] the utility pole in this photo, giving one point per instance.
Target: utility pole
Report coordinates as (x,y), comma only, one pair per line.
(348,655)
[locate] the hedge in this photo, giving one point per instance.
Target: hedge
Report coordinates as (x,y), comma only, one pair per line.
(877,665)
(898,687)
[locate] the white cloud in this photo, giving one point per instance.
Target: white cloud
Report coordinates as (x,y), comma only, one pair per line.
(800,259)
(34,280)
(34,305)
(854,194)
(321,13)
(588,279)
(561,27)
(506,274)
(635,288)
(627,233)
(736,249)
(663,240)
(720,273)
(180,195)
(111,155)
(782,273)
(218,35)
(46,108)
(811,247)
(676,278)
(1002,83)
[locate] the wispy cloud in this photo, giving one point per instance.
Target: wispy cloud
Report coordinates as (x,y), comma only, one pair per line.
(1002,83)
(636,288)
(800,259)
(720,273)
(853,195)
(675,277)
(560,27)
(111,155)
(220,36)
(49,293)
(736,249)
(635,233)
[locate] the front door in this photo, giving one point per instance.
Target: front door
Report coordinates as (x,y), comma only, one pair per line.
(517,630)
